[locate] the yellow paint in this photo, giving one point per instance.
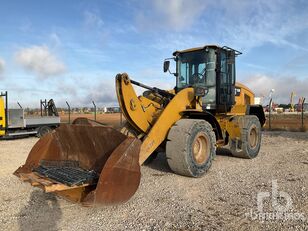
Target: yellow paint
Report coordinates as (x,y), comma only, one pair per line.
(238,110)
(229,125)
(233,129)
(246,96)
(151,109)
(169,116)
(2,115)
(130,104)
(147,114)
(195,49)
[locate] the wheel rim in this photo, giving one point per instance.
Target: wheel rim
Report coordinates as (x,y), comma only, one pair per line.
(44,131)
(253,137)
(200,148)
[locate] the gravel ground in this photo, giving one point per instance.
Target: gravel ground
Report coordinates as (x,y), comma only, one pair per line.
(224,199)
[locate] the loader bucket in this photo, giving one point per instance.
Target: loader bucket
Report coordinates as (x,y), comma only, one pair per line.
(85,163)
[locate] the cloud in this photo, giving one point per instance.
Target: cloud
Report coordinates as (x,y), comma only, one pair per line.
(40,60)
(283,85)
(26,25)
(97,87)
(176,15)
(100,88)
(67,89)
(248,24)
(92,19)
(103,93)
(298,62)
(95,30)
(55,39)
(2,67)
(240,24)
(179,13)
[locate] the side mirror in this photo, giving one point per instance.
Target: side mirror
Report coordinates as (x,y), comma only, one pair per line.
(201,91)
(166,65)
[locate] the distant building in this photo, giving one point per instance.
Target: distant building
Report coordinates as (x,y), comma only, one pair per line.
(111,109)
(257,100)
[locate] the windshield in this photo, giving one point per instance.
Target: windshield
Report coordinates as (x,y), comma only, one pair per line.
(196,68)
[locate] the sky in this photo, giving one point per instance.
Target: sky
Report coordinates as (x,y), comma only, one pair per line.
(72,50)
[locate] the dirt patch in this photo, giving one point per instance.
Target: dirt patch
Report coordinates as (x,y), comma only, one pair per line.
(287,122)
(223,199)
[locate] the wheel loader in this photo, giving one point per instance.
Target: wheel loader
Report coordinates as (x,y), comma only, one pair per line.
(93,164)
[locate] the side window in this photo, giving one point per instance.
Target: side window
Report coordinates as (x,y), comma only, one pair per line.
(227,68)
(183,80)
(210,68)
(201,68)
(237,91)
(223,68)
(231,67)
(201,73)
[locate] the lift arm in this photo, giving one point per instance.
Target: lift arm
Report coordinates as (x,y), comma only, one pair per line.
(170,115)
(139,112)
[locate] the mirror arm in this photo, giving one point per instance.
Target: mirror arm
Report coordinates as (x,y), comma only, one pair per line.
(174,59)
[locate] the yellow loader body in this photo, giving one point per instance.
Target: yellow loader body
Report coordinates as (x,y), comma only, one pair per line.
(90,163)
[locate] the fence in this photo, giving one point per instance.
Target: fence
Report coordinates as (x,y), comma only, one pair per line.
(287,121)
(110,118)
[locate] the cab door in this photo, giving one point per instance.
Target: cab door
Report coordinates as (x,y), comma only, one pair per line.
(226,80)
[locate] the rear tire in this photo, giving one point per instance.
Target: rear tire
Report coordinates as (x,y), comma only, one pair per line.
(249,145)
(43,131)
(191,147)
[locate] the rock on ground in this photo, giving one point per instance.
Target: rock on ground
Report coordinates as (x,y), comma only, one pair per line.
(224,199)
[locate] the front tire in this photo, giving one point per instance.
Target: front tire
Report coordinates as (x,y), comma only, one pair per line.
(191,147)
(248,146)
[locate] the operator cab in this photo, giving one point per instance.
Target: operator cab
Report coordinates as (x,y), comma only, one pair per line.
(210,67)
